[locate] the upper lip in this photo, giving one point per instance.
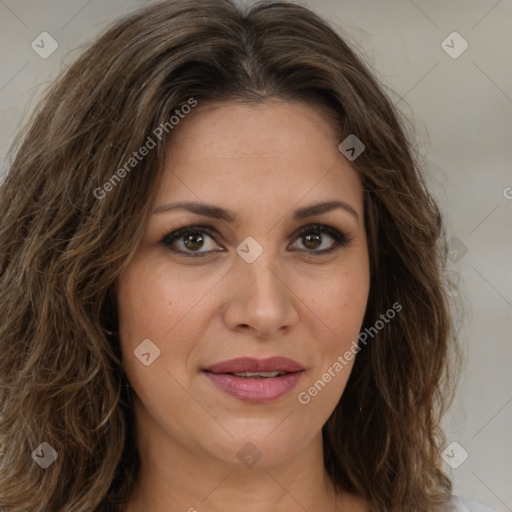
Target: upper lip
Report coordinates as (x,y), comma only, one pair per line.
(249,364)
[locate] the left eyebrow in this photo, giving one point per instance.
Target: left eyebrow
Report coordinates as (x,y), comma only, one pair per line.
(326,206)
(216,212)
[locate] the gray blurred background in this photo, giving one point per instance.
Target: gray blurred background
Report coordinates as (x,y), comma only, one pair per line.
(457,91)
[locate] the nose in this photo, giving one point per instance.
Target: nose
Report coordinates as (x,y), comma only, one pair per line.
(260,301)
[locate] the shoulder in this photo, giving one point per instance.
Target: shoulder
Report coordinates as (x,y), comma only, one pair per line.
(458,504)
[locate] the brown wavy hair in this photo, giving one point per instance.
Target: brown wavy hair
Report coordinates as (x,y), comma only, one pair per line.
(62,249)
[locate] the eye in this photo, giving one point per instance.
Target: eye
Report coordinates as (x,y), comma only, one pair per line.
(313,237)
(189,241)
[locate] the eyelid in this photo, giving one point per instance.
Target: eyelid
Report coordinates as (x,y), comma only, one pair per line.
(340,238)
(176,234)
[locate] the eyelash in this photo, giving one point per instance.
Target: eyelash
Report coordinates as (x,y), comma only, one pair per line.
(340,239)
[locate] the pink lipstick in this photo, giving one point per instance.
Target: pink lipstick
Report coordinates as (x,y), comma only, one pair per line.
(256,380)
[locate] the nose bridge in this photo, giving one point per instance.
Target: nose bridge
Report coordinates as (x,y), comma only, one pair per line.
(262,301)
(261,277)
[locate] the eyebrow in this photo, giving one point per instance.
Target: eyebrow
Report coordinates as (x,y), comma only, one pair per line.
(216,212)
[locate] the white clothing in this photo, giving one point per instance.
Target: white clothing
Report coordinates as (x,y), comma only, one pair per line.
(459,504)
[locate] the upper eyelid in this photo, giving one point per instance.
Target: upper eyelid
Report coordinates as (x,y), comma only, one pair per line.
(207,229)
(178,233)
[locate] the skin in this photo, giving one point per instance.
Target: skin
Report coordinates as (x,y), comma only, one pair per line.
(262,162)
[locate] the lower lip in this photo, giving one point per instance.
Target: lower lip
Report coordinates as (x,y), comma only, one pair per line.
(258,390)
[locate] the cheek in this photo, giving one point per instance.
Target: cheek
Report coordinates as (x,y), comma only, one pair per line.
(153,305)
(339,304)
(337,312)
(154,302)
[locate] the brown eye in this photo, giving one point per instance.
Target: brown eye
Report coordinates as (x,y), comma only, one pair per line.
(314,236)
(313,241)
(193,241)
(190,240)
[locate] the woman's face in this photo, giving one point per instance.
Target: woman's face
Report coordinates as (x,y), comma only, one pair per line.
(263,284)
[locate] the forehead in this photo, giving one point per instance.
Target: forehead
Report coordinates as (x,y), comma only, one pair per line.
(273,151)
(239,130)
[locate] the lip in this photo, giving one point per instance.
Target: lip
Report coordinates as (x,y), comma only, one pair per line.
(256,390)
(249,364)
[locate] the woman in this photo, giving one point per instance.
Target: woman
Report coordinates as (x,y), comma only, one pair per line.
(221,279)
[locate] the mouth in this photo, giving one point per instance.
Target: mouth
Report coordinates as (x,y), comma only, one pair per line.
(256,375)
(255,380)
